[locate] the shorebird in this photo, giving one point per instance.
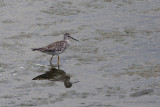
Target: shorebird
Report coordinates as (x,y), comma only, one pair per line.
(56,48)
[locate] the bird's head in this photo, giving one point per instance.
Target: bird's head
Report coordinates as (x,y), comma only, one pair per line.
(67,37)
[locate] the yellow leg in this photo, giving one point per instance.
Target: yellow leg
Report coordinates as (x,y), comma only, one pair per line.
(58,60)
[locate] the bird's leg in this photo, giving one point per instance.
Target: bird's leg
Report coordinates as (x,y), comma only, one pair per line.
(51,60)
(58,60)
(58,66)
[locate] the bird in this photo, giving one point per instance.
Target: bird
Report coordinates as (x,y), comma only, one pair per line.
(56,48)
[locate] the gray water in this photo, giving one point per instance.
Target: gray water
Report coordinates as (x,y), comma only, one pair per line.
(118,55)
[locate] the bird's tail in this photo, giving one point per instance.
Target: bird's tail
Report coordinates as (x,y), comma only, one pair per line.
(34,49)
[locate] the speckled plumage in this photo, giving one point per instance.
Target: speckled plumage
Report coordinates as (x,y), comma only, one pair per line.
(54,48)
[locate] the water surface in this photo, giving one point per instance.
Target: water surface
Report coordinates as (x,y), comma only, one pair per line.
(117,56)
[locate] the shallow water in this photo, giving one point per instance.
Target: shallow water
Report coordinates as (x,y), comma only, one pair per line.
(117,56)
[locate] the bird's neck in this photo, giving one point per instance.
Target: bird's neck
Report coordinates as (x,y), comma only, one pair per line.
(67,41)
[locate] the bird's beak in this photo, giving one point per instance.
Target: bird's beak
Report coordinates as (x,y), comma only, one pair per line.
(74,39)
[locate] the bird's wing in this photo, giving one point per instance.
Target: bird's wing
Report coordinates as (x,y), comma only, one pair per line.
(58,46)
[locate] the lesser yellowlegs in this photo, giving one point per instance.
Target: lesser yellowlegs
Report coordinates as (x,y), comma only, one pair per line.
(56,48)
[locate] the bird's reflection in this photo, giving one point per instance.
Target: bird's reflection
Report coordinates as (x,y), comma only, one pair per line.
(54,74)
